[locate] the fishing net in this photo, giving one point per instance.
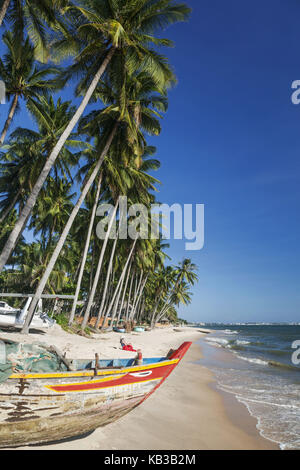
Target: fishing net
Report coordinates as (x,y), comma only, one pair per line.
(26,358)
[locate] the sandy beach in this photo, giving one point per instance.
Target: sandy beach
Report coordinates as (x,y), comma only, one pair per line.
(186,413)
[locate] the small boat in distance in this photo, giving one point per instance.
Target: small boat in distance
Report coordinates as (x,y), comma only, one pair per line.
(48,407)
(6,309)
(14,318)
(119,330)
(139,329)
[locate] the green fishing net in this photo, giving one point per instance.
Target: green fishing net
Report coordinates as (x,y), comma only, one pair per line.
(26,358)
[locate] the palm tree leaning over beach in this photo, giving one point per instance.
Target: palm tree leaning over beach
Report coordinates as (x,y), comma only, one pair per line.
(140,93)
(103,28)
(115,118)
(86,248)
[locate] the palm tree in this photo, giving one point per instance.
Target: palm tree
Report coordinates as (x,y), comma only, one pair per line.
(116,294)
(52,210)
(180,277)
(32,265)
(130,175)
(16,173)
(22,78)
(86,248)
(28,149)
(185,271)
(125,135)
(33,16)
(66,230)
(103,29)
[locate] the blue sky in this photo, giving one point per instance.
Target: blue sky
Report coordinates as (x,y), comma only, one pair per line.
(231,141)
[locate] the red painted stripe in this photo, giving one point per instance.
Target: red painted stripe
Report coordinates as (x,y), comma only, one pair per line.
(126,380)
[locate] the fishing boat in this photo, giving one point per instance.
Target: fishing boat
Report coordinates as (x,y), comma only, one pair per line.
(139,329)
(40,407)
(119,330)
(6,309)
(15,318)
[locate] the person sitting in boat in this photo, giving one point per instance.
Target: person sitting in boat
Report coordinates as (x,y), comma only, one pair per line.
(126,346)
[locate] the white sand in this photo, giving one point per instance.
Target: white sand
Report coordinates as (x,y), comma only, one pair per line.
(152,343)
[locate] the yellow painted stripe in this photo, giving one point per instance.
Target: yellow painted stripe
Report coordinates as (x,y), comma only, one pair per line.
(106,379)
(54,387)
(60,375)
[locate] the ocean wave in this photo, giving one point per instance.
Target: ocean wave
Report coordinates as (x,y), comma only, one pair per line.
(221,342)
(254,360)
(263,402)
(262,362)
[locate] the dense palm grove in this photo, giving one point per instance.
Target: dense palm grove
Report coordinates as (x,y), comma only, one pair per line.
(55,174)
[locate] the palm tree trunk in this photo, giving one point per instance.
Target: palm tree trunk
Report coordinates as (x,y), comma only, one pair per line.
(4,10)
(117,302)
(120,281)
(11,242)
(65,232)
(98,270)
(104,294)
(9,119)
(85,252)
(169,296)
(142,310)
(124,292)
(160,316)
(139,296)
(92,265)
(136,294)
(129,296)
(155,310)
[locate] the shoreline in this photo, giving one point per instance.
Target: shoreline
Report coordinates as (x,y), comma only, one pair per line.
(187,412)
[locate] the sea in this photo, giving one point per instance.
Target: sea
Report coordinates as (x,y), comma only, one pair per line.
(262,369)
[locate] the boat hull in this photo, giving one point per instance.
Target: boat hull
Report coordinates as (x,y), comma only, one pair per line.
(41,408)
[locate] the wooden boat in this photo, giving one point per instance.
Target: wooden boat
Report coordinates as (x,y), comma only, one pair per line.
(119,330)
(139,329)
(45,407)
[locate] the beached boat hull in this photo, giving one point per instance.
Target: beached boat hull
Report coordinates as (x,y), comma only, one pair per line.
(40,408)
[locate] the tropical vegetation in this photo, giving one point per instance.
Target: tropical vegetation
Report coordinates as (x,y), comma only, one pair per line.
(73,157)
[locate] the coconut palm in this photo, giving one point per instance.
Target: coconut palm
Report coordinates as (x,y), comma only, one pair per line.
(17,170)
(185,271)
(86,248)
(28,149)
(33,17)
(22,78)
(52,210)
(125,136)
(104,29)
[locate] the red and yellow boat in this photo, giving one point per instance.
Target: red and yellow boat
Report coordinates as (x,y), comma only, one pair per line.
(45,407)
